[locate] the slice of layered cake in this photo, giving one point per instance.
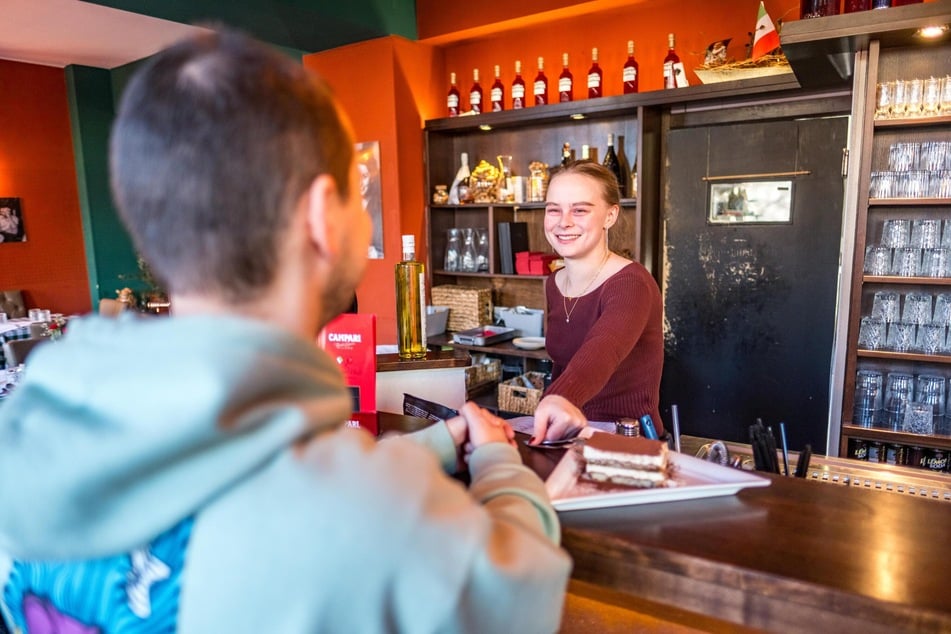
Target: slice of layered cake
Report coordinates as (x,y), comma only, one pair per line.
(634,462)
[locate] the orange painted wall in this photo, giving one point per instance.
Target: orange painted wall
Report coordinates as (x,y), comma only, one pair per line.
(695,24)
(36,165)
(388,87)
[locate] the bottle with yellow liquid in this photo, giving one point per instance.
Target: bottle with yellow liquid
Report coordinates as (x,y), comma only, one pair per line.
(410,303)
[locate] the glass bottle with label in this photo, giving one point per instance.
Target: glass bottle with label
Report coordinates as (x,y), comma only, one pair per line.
(497,93)
(631,70)
(475,93)
(614,165)
(518,87)
(410,303)
(595,77)
(540,85)
(452,99)
(566,82)
(672,64)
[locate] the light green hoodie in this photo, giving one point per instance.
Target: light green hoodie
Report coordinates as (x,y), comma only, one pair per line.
(217,443)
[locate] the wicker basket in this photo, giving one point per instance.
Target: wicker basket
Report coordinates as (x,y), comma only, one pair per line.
(468,307)
(515,397)
(483,377)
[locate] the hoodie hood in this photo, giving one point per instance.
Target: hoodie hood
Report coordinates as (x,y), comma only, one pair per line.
(127,426)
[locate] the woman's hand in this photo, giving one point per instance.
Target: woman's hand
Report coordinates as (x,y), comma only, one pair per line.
(555,416)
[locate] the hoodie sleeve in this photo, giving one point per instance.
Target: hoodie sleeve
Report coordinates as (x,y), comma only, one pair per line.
(517,577)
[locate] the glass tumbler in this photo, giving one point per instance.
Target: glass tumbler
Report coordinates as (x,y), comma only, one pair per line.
(917,309)
(896,232)
(942,309)
(931,97)
(930,389)
(878,260)
(899,390)
(901,336)
(871,333)
(867,409)
(926,233)
(930,338)
(918,419)
(906,262)
(885,93)
(935,262)
(886,306)
(945,96)
(913,99)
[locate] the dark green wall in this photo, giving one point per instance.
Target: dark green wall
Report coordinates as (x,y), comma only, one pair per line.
(304,25)
(109,250)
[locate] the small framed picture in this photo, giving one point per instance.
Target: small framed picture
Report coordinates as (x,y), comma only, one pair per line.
(11,221)
(751,202)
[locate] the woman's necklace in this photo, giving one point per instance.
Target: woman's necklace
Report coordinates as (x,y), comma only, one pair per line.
(565,297)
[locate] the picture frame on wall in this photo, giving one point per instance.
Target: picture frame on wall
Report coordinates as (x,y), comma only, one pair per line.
(371,192)
(11,221)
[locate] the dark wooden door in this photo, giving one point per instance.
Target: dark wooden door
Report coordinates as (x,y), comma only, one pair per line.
(750,309)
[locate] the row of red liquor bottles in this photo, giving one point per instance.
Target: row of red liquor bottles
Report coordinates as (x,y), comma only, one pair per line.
(673,77)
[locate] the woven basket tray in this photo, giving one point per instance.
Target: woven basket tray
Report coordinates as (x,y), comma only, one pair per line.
(468,307)
(515,397)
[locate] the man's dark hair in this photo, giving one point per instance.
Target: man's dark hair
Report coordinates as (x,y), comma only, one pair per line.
(216,140)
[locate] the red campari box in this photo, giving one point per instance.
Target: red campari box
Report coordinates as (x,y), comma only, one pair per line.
(351,340)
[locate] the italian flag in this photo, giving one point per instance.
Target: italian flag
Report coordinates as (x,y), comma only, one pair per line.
(766,38)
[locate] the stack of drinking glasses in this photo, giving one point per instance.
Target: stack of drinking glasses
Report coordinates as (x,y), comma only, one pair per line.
(899,392)
(915,170)
(911,248)
(917,328)
(913,98)
(908,403)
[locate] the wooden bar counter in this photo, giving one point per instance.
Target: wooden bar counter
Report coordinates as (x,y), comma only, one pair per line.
(796,556)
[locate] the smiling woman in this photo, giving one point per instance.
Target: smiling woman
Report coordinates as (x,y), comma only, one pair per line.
(604,331)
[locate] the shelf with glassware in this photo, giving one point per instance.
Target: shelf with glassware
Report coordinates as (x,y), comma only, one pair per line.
(896,383)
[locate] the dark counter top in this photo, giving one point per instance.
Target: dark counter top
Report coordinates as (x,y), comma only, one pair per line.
(796,556)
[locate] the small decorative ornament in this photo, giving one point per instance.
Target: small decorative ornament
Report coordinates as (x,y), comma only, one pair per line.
(55,328)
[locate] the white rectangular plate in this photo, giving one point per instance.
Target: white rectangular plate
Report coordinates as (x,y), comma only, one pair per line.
(695,478)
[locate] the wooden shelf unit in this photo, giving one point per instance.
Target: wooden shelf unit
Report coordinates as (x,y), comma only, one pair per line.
(886,62)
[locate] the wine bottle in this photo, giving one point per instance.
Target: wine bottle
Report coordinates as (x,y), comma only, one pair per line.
(595,77)
(633,192)
(565,154)
(614,165)
(673,68)
(410,303)
(540,86)
(475,93)
(452,100)
(518,88)
(497,92)
(630,71)
(566,82)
